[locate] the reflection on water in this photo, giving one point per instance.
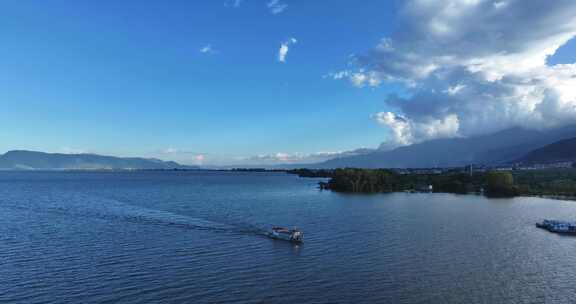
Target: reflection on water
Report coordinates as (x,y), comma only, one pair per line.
(287,246)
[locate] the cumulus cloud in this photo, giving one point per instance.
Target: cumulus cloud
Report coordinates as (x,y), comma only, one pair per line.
(276,7)
(360,78)
(284,48)
(190,157)
(473,66)
(302,158)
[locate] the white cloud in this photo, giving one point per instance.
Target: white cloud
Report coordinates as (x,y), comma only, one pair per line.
(301,158)
(199,159)
(472,67)
(190,157)
(187,157)
(277,7)
(233,3)
(406,132)
(500,4)
(284,48)
(207,49)
(338,75)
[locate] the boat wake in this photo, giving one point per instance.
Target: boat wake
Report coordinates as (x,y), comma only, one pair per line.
(113,210)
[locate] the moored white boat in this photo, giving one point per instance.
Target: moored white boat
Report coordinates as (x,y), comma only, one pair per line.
(558,226)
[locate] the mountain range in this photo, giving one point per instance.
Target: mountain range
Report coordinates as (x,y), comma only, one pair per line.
(499,148)
(560,151)
(32,160)
(509,146)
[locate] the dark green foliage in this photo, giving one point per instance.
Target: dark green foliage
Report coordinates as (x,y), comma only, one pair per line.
(554,182)
(383,180)
(363,180)
(310,172)
(500,184)
(450,186)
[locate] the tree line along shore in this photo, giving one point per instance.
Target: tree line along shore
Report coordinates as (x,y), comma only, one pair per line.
(493,183)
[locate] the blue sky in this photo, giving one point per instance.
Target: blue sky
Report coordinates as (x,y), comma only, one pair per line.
(128,77)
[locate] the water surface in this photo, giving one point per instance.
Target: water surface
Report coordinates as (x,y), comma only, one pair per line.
(189,237)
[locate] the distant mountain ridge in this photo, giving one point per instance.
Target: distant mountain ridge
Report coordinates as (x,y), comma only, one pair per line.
(33,160)
(560,151)
(501,147)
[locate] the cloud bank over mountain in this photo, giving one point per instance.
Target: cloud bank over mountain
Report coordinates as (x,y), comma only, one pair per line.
(302,158)
(474,67)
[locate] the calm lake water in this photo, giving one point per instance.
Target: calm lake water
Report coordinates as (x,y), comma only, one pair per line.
(181,237)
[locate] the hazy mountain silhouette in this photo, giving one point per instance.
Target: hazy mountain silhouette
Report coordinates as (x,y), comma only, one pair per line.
(31,160)
(500,147)
(564,150)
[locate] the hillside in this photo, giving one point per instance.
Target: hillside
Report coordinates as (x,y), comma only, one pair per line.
(564,150)
(31,160)
(501,147)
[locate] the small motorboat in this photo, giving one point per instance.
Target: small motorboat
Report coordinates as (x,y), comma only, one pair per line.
(291,235)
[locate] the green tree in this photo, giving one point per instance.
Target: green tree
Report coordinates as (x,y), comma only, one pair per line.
(500,183)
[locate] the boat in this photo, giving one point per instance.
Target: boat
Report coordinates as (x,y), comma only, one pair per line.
(555,226)
(291,235)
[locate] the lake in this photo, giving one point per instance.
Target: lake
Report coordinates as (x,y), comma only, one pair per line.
(199,237)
